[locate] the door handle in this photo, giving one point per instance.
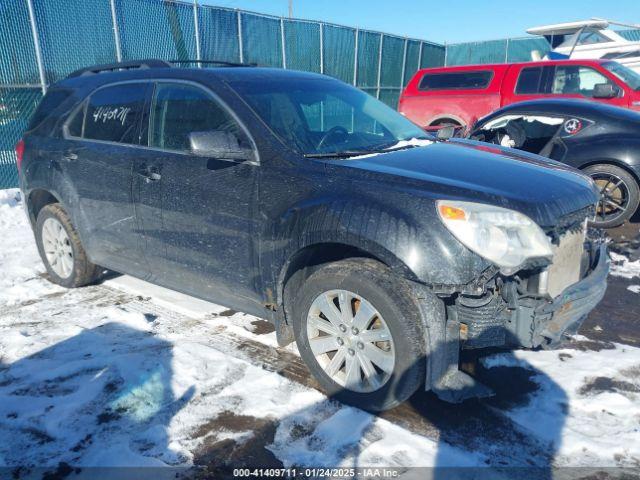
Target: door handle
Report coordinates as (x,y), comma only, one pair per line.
(153,177)
(149,173)
(70,156)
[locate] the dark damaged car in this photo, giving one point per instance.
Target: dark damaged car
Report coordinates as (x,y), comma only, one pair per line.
(300,199)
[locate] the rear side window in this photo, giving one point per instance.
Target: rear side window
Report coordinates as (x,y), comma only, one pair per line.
(111,114)
(179,110)
(456,80)
(529,81)
(535,80)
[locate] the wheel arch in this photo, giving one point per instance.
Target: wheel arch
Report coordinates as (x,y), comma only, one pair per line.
(615,163)
(37,199)
(449,116)
(304,261)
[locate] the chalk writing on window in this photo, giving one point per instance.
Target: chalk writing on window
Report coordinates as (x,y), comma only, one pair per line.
(106,114)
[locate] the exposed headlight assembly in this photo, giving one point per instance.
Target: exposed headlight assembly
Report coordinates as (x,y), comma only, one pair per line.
(504,237)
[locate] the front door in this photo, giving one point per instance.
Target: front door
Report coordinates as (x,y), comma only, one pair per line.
(201,209)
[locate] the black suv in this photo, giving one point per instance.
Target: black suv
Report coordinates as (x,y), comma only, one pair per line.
(295,197)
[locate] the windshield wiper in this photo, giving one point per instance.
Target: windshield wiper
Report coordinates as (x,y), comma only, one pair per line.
(345,154)
(385,147)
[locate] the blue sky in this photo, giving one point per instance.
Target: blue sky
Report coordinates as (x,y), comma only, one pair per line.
(446,20)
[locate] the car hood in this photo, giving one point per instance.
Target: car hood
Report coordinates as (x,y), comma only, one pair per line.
(540,188)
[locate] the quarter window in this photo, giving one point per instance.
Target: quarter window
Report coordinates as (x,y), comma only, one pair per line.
(180,110)
(456,80)
(112,114)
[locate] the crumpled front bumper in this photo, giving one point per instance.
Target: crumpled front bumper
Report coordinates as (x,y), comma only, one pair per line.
(568,310)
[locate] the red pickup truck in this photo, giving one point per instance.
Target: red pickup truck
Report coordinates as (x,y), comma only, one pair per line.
(460,95)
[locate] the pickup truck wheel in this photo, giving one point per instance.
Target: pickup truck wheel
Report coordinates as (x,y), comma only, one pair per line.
(60,249)
(358,330)
(619,195)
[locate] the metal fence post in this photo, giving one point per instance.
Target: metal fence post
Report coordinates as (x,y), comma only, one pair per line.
(506,52)
(355,59)
(284,49)
(446,52)
(404,63)
(420,56)
(116,30)
(379,66)
(321,47)
(196,29)
(36,44)
(322,72)
(240,36)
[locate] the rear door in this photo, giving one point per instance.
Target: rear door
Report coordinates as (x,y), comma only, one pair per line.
(198,211)
(102,139)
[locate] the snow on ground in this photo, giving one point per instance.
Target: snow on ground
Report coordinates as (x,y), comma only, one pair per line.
(621,266)
(115,375)
(600,391)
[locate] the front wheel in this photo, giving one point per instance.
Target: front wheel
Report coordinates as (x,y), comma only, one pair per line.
(60,249)
(619,195)
(358,330)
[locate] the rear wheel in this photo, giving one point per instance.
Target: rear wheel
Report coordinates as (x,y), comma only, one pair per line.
(358,330)
(619,195)
(60,249)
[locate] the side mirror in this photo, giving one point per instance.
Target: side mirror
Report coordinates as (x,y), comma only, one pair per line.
(605,90)
(222,145)
(445,133)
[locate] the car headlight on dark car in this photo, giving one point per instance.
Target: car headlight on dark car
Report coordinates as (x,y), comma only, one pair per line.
(504,237)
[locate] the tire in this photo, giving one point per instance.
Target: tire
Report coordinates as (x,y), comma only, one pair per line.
(370,285)
(627,195)
(54,222)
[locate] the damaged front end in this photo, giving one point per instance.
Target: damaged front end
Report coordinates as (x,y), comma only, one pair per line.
(537,306)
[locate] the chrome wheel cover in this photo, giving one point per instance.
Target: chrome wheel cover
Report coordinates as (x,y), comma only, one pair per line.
(57,248)
(350,341)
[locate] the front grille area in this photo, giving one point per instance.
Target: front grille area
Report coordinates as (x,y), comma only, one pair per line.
(567,262)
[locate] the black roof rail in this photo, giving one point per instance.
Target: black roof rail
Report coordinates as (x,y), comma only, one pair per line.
(110,67)
(217,62)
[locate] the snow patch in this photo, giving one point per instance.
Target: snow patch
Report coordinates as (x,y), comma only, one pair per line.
(621,266)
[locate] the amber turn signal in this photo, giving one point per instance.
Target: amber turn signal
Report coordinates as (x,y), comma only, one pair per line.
(451,213)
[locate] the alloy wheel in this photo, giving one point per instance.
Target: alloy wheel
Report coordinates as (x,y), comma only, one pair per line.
(614,196)
(350,341)
(57,247)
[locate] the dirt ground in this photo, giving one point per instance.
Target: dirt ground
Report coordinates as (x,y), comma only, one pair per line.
(617,317)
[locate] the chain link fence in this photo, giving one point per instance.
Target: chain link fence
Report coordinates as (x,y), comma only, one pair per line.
(42,41)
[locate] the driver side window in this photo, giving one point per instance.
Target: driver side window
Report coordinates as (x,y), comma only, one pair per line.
(180,110)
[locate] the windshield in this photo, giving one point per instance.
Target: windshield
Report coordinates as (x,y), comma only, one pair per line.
(323,116)
(625,74)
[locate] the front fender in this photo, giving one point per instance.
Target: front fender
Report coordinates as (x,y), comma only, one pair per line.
(404,233)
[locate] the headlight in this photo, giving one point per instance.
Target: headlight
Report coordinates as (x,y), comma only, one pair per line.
(504,237)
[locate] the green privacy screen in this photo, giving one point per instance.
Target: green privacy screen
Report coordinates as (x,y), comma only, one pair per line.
(72,34)
(17,106)
(496,51)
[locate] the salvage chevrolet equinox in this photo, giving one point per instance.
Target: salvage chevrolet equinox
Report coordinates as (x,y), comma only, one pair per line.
(381,251)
